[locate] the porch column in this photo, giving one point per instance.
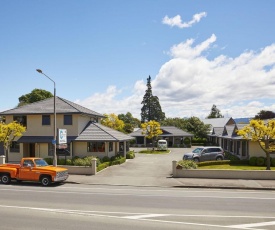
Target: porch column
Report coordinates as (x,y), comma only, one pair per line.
(2,160)
(124,149)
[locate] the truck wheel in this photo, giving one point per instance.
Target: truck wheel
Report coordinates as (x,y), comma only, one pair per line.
(45,180)
(6,179)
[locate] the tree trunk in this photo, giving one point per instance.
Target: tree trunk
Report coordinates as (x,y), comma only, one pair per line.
(267,156)
(7,155)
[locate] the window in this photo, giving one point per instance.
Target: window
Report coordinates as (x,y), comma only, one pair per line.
(27,163)
(111,146)
(46,120)
(59,152)
(68,120)
(15,147)
(96,147)
(22,120)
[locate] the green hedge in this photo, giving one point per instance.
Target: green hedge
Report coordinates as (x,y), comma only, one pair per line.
(186,164)
(224,162)
(260,161)
(206,163)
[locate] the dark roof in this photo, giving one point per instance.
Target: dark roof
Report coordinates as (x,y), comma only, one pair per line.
(98,132)
(167,131)
(92,132)
(46,106)
(41,139)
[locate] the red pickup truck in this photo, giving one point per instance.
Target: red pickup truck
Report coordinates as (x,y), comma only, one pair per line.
(32,169)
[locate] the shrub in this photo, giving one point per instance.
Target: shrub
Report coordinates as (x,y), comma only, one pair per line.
(130,155)
(272,161)
(79,162)
(69,162)
(118,161)
(252,161)
(187,141)
(231,157)
(187,164)
(105,159)
(49,160)
(260,161)
(61,161)
(116,157)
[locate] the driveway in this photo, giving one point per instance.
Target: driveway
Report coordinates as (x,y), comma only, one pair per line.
(144,170)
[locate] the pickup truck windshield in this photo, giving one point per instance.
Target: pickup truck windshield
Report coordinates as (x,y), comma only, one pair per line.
(40,162)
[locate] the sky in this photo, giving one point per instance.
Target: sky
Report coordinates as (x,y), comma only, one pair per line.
(100,53)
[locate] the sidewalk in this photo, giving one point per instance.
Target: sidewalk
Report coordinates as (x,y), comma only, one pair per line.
(172,182)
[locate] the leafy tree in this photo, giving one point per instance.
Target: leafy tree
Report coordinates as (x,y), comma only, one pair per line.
(151,109)
(263,134)
(34,96)
(215,113)
(151,129)
(263,114)
(178,122)
(112,121)
(8,132)
(195,126)
(129,121)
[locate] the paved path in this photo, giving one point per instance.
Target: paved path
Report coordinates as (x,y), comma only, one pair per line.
(156,171)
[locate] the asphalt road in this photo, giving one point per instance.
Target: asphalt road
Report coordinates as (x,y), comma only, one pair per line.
(69,206)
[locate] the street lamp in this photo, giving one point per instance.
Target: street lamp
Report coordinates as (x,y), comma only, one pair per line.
(54,127)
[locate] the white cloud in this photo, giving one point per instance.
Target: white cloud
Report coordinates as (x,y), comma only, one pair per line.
(176,21)
(190,83)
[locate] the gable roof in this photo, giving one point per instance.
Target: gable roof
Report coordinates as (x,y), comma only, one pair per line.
(167,131)
(218,122)
(98,132)
(46,106)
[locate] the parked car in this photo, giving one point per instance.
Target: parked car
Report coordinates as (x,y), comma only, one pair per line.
(205,154)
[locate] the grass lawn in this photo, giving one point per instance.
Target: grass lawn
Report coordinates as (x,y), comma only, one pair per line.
(234,167)
(154,152)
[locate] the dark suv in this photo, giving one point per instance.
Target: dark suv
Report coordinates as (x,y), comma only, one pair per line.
(205,154)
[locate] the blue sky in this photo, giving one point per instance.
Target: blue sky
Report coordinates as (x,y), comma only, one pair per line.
(100,53)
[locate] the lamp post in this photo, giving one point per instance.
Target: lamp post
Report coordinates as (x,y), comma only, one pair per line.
(54,112)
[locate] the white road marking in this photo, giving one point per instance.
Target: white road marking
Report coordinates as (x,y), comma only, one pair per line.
(147,216)
(144,216)
(247,226)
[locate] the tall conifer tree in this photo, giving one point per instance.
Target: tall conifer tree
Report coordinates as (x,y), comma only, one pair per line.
(151,109)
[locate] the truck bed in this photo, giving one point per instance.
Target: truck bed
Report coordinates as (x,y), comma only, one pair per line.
(11,165)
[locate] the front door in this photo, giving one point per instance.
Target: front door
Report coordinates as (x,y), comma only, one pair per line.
(32,149)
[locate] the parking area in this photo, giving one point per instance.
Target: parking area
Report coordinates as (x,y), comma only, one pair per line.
(144,170)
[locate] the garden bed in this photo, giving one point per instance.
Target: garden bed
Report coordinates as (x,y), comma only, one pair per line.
(222,173)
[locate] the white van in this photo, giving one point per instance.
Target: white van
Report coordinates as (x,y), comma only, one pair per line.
(162,145)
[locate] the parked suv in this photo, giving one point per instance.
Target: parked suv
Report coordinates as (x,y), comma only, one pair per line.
(205,154)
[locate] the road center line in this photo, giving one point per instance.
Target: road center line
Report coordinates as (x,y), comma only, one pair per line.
(144,216)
